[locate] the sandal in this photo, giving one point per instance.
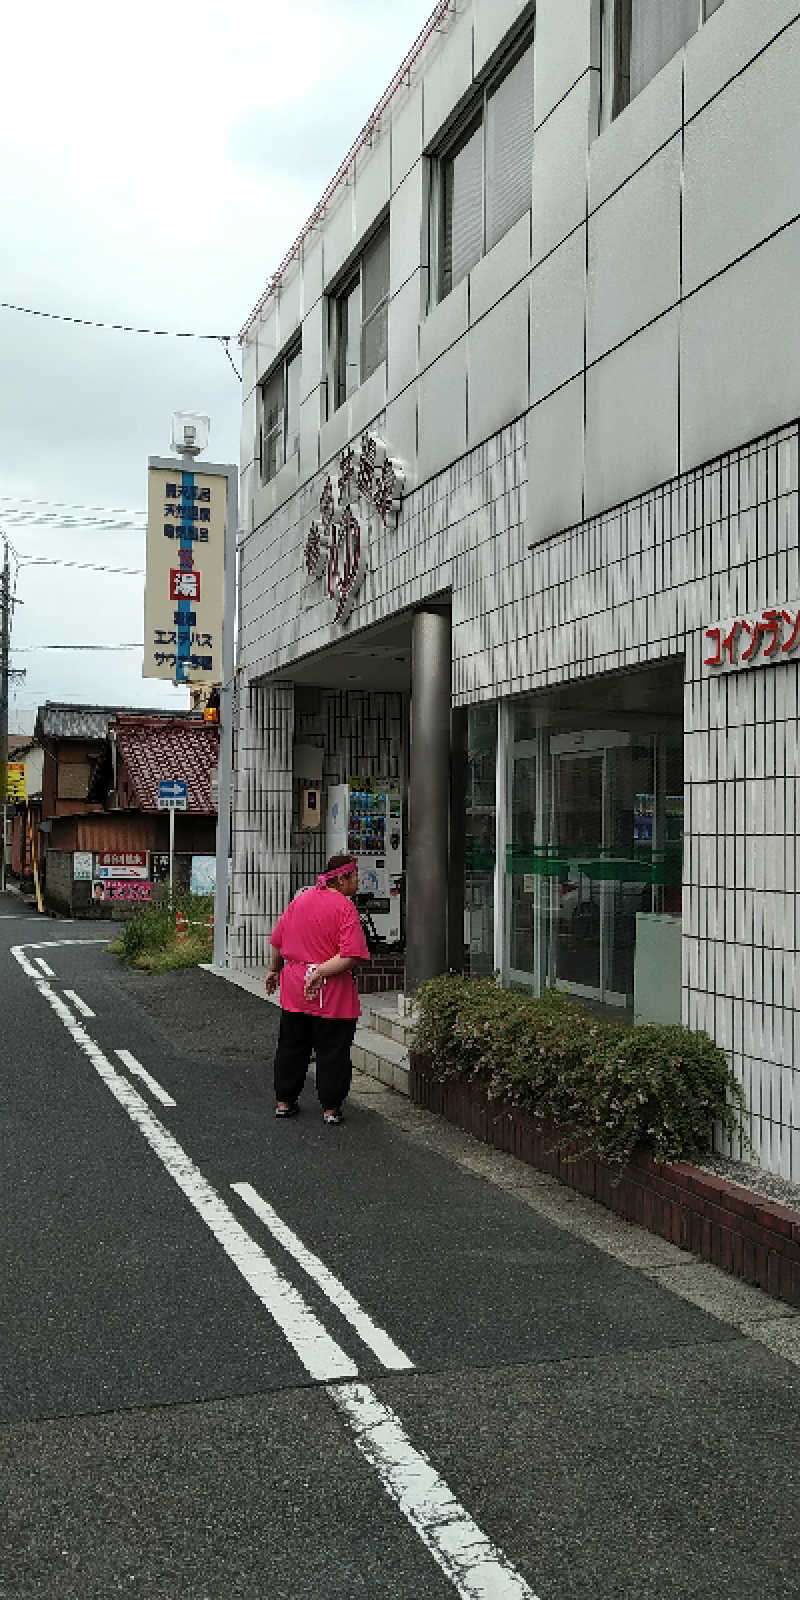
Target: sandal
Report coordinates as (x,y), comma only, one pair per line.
(287,1110)
(333,1117)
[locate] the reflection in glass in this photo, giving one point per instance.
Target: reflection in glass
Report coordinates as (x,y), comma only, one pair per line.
(480,839)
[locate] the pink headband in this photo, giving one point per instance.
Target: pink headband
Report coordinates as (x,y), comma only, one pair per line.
(338,872)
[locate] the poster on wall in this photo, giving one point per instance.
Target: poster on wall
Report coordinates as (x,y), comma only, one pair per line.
(204,874)
(122,864)
(122,890)
(82,866)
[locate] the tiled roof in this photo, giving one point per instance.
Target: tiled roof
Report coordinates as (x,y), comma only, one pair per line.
(153,748)
(57,720)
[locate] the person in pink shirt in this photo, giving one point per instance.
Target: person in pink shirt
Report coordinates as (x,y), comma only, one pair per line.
(314,947)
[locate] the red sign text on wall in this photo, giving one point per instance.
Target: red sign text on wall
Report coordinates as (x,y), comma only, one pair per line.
(773,636)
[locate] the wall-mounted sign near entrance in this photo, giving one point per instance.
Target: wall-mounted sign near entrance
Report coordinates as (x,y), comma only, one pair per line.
(737,644)
(336,549)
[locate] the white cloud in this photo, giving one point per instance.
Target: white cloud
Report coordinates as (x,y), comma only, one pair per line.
(154,169)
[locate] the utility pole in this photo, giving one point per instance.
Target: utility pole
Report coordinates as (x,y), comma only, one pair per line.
(5,639)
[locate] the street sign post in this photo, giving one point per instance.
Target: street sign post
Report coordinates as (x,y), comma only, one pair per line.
(173,795)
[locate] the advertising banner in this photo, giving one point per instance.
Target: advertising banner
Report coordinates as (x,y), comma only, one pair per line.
(16,781)
(122,889)
(183,602)
(122,864)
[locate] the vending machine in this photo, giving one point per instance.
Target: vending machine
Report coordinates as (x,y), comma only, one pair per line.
(365,818)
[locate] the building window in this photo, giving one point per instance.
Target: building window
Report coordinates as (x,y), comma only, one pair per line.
(279,425)
(359,320)
(639,38)
(483,177)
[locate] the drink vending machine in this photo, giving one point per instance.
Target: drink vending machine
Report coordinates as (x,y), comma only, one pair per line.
(365,817)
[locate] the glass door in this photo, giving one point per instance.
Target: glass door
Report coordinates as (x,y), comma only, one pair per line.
(602,827)
(578,902)
(522,906)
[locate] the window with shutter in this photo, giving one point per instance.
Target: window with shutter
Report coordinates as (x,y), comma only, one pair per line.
(272,428)
(639,38)
(293,368)
(509,149)
(462,209)
(482,177)
(375,304)
(279,424)
(358,323)
(658,31)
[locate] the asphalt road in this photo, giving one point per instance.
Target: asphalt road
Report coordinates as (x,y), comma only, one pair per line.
(243,1359)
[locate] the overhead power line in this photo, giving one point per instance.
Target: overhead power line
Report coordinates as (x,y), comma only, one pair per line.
(115,327)
(223,339)
(80,566)
(70,505)
(26,649)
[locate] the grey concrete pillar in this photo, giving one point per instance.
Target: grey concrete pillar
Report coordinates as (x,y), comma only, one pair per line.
(429,799)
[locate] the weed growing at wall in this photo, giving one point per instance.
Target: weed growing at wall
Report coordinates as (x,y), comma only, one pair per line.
(604,1089)
(149,940)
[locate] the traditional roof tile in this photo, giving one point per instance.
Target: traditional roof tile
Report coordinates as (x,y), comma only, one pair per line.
(155,748)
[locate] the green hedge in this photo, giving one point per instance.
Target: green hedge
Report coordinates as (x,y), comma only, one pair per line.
(612,1090)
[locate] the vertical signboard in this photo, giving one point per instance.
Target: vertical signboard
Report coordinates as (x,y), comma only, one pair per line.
(184,587)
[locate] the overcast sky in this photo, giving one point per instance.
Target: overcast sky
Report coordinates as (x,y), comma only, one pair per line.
(156,163)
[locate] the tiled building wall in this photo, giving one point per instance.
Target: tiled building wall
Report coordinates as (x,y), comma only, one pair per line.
(261,819)
(357,733)
(637,584)
(272,856)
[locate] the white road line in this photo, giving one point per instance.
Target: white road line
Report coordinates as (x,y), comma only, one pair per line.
(472,1564)
(320,1355)
(139,1071)
(79,1004)
(48,971)
(475,1567)
(388,1353)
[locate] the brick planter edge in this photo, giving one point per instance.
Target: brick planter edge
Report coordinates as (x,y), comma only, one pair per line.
(744,1233)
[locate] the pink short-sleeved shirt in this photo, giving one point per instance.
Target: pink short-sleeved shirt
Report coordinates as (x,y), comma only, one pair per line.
(319,924)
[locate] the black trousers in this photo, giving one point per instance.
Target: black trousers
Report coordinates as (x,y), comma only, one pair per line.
(330,1039)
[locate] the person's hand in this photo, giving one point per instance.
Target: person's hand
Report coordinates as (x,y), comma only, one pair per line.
(313,983)
(271,982)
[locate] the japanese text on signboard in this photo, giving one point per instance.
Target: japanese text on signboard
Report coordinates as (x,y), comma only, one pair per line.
(185,571)
(744,642)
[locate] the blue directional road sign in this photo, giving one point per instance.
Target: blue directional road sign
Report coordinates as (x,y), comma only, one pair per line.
(173,794)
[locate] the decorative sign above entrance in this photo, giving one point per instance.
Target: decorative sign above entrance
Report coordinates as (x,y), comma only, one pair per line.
(772,637)
(336,548)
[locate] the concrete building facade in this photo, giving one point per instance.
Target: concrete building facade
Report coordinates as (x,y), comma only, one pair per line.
(520,429)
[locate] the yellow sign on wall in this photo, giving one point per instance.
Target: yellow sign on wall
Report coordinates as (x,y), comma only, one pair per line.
(16,780)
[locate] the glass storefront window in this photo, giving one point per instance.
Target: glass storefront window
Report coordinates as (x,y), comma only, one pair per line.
(480,839)
(594,831)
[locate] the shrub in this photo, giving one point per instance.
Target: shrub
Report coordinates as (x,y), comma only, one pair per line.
(601,1087)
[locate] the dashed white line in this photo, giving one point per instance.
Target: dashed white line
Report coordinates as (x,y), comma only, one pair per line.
(48,971)
(79,1004)
(318,1352)
(475,1567)
(139,1071)
(389,1354)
